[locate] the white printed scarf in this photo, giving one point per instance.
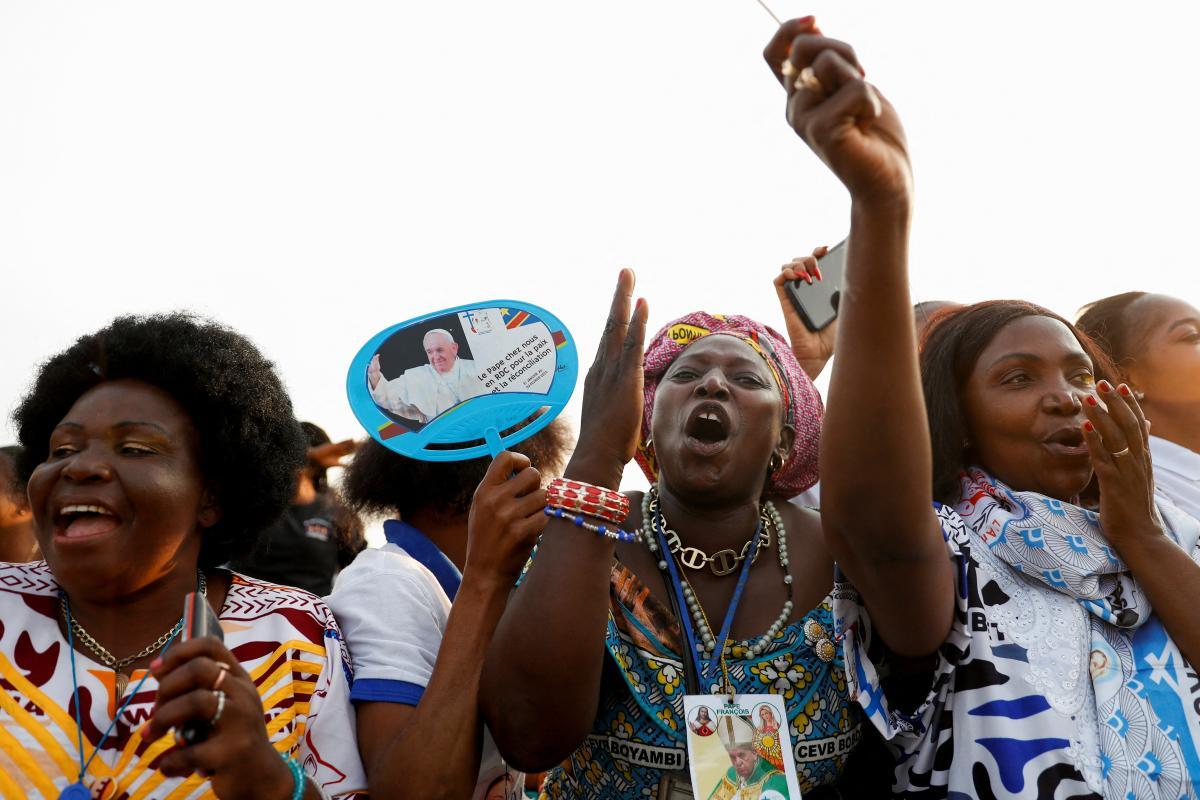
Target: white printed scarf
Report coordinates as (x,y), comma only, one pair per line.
(1146,694)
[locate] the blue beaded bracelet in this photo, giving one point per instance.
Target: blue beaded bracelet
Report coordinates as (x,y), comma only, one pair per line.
(581,522)
(297,776)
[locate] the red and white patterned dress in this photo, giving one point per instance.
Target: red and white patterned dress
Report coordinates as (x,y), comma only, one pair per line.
(286,639)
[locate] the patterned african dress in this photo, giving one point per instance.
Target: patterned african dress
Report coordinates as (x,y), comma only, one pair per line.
(1011,709)
(285,638)
(639,733)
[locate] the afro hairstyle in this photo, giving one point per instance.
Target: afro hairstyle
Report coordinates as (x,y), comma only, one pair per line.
(251,446)
(381,481)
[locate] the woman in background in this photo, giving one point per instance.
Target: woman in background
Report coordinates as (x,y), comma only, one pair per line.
(317,534)
(1154,340)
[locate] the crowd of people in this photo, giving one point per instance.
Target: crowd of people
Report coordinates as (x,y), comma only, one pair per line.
(969,571)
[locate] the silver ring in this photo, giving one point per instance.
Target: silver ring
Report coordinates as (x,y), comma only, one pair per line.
(807,79)
(1120,453)
(220,708)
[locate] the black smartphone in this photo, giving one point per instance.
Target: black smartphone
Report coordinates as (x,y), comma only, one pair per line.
(198,620)
(817,302)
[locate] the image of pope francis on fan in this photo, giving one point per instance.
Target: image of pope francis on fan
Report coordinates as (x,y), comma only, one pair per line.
(423,392)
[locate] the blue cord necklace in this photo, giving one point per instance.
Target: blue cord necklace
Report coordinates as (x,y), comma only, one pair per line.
(79,789)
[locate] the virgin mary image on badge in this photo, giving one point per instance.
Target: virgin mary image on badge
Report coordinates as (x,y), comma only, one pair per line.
(751,775)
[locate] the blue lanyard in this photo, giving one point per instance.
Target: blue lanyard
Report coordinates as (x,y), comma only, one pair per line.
(73,790)
(685,621)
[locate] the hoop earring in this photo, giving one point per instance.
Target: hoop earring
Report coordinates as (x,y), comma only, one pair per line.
(776,463)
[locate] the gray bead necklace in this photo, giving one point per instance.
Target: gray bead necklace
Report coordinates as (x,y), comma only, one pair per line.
(770,519)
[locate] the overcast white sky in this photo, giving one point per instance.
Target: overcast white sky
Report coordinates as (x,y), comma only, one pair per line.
(312,172)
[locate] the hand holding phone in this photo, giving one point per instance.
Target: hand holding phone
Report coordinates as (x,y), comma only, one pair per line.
(198,620)
(817,302)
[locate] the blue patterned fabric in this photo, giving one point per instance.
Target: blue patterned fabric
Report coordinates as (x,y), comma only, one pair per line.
(1056,680)
(638,735)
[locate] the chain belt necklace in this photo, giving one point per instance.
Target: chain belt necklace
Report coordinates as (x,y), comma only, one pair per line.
(723,562)
(653,524)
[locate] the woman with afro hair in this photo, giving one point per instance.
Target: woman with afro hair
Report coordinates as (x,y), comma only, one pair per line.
(155,450)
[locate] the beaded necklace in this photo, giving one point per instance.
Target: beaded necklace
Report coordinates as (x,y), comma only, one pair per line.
(707,644)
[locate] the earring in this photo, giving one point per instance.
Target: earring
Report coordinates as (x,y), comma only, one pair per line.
(649,443)
(776,463)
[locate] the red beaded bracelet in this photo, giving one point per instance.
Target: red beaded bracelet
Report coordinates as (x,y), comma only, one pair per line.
(587,499)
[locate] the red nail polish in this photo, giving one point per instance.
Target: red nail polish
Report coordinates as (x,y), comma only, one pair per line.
(1123,389)
(1104,386)
(1088,426)
(156,663)
(1092,401)
(818,271)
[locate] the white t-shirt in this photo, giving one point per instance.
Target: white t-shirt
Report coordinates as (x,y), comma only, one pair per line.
(392,604)
(1177,474)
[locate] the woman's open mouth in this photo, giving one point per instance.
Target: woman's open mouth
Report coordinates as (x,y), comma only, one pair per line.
(1067,442)
(84,521)
(708,428)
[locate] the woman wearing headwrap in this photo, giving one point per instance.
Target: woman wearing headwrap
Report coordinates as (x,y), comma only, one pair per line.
(593,656)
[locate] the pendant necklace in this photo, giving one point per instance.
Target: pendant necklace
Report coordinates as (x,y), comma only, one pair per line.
(707,644)
(79,790)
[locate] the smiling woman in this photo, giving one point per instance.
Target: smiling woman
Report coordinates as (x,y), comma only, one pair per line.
(155,450)
(1040,475)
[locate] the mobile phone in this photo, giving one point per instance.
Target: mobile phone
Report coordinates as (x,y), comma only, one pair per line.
(198,620)
(817,302)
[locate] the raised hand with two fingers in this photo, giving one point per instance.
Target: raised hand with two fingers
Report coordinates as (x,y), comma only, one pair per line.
(611,418)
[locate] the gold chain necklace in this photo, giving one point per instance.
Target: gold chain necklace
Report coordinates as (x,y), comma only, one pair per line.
(722,562)
(108,659)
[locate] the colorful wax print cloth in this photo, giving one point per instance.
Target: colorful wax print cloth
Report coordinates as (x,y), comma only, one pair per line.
(1056,679)
(639,734)
(286,639)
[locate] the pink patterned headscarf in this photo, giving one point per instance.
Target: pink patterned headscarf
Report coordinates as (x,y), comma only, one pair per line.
(800,397)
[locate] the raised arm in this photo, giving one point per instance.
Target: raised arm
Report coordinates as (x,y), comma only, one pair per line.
(432,749)
(541,685)
(875,450)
